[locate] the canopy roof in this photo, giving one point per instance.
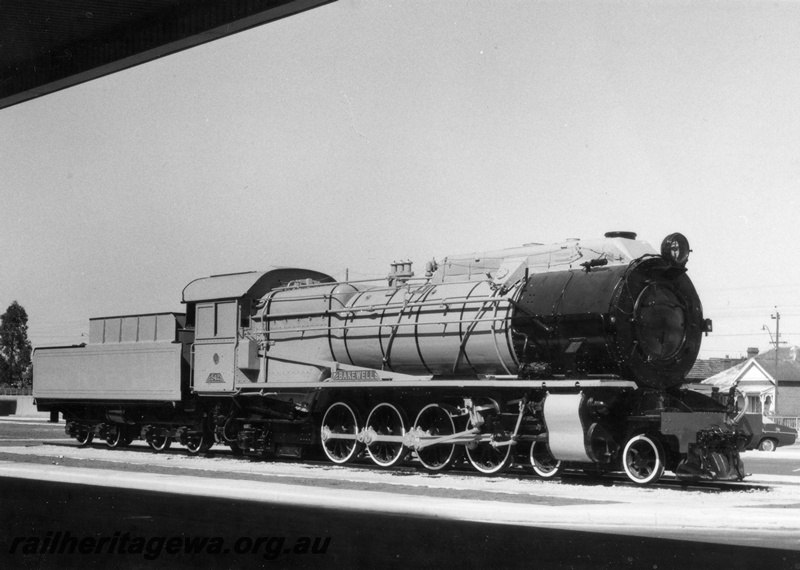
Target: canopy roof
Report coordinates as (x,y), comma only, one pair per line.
(48,45)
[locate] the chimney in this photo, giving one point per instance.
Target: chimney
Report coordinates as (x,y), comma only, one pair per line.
(752,352)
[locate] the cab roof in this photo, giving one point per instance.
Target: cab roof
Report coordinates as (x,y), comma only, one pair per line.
(253,284)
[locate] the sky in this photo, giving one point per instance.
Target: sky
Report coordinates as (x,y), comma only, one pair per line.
(360,133)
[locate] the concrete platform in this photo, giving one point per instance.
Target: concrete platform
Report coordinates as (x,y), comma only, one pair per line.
(657,514)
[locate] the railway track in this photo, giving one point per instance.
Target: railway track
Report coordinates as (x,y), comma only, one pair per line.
(462,470)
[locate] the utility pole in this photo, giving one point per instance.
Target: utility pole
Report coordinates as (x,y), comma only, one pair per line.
(777,317)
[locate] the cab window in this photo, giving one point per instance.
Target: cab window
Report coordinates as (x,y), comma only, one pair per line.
(216,320)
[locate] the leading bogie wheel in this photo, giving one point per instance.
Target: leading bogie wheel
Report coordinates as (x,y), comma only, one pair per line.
(435,420)
(643,459)
(339,432)
(543,462)
(386,420)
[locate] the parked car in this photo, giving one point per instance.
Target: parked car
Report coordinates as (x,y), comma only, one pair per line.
(767,435)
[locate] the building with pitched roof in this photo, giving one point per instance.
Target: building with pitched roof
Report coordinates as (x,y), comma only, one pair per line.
(704,369)
(767,386)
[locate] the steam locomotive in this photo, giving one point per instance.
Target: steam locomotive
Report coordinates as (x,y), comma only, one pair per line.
(563,356)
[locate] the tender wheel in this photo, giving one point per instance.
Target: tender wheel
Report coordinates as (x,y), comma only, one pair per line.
(338,432)
(487,458)
(767,445)
(84,437)
(160,442)
(543,462)
(643,459)
(434,420)
(385,420)
(199,444)
(117,439)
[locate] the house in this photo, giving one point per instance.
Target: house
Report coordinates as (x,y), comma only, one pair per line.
(764,387)
(704,369)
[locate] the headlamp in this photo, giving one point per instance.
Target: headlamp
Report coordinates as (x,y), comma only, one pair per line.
(675,249)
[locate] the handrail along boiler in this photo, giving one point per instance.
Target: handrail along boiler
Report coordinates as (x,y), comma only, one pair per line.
(572,355)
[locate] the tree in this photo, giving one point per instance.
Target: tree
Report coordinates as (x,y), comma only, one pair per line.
(15,348)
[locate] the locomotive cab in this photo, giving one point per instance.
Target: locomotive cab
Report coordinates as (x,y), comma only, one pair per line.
(221,309)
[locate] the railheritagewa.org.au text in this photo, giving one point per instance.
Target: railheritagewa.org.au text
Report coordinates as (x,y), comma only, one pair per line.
(61,543)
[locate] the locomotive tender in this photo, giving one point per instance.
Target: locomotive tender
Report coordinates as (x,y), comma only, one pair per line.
(567,355)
